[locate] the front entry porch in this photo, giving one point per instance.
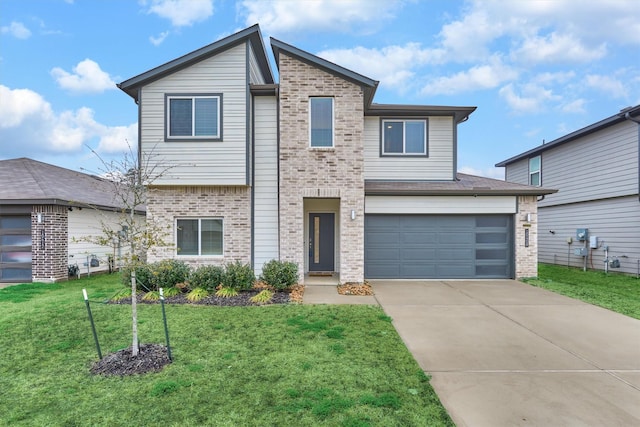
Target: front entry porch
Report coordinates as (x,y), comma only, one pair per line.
(322,239)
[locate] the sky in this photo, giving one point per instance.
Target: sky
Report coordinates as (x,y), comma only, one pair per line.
(536,70)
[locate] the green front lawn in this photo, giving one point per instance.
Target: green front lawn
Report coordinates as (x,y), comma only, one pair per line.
(279,365)
(617,292)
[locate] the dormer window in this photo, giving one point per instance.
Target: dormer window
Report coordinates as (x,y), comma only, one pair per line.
(404,137)
(194,117)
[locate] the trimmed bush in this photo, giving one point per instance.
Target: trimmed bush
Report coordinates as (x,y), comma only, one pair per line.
(280,274)
(239,276)
(207,277)
(169,272)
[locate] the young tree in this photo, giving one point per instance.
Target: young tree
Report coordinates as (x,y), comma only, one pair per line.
(129,178)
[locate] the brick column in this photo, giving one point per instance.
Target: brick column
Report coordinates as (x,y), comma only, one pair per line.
(526,257)
(49,243)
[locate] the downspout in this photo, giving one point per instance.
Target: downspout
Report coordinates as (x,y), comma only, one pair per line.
(628,117)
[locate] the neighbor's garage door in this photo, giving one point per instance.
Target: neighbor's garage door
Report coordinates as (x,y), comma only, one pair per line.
(15,248)
(438,246)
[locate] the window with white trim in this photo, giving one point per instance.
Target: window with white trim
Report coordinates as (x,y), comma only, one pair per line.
(535,177)
(193,116)
(404,137)
(321,122)
(199,236)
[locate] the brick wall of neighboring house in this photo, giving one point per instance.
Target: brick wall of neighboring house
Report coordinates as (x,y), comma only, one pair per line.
(526,257)
(49,243)
(327,172)
(232,204)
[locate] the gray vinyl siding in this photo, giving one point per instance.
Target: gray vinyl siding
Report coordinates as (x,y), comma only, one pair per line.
(437,166)
(200,162)
(616,222)
(265,181)
(255,76)
(600,165)
(518,172)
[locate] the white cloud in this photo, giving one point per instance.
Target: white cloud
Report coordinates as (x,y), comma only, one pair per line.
(606,84)
(393,66)
(479,77)
(495,173)
(87,77)
(182,13)
(531,99)
(17,30)
(557,48)
(28,121)
(18,104)
(559,77)
(576,106)
(320,15)
(156,41)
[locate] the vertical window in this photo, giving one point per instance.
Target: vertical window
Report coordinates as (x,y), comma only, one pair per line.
(534,171)
(193,116)
(201,236)
(404,137)
(321,122)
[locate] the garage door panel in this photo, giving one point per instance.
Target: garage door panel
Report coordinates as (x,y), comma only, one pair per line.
(438,246)
(418,254)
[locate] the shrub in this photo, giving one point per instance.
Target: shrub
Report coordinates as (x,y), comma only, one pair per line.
(280,274)
(207,277)
(171,292)
(226,293)
(197,294)
(262,297)
(151,296)
(169,272)
(238,276)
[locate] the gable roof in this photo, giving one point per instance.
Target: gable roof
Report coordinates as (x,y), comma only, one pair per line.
(29,182)
(369,85)
(464,185)
(251,35)
(630,113)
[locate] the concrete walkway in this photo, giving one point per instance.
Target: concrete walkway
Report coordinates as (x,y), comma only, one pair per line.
(503,353)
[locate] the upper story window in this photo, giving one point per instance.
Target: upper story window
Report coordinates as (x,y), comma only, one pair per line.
(404,137)
(194,116)
(321,122)
(199,236)
(535,177)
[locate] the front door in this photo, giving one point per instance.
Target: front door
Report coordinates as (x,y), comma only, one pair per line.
(321,241)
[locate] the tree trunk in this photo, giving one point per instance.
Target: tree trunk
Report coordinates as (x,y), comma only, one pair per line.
(134,313)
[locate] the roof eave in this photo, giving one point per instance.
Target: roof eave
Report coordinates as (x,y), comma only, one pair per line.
(460,114)
(390,192)
(251,34)
(595,127)
(369,85)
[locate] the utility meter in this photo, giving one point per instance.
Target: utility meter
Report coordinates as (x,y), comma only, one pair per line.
(582,234)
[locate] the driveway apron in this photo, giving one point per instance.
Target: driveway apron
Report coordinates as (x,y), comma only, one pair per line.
(503,353)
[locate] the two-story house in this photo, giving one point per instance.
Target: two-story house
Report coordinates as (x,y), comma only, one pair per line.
(597,172)
(310,170)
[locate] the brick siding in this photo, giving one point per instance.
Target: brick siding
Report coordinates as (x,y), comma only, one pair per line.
(232,204)
(49,243)
(526,257)
(321,172)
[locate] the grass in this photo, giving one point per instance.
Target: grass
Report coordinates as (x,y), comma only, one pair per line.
(616,292)
(279,365)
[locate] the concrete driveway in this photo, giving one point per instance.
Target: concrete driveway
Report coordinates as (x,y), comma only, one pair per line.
(503,353)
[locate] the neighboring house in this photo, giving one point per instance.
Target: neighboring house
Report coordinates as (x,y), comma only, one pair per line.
(310,170)
(45,213)
(597,172)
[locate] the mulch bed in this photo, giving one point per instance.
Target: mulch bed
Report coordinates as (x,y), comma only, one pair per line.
(238,301)
(151,358)
(359,289)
